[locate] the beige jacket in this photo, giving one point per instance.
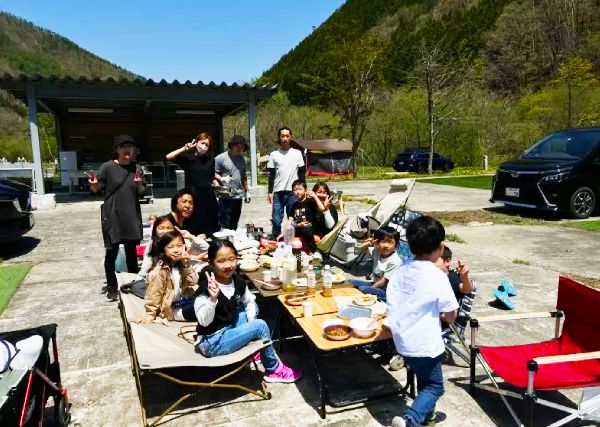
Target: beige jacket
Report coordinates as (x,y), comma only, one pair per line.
(160,290)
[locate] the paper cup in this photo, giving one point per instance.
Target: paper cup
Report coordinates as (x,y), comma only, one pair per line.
(267,275)
(307,308)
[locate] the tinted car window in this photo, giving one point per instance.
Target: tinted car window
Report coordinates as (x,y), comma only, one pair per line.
(565,145)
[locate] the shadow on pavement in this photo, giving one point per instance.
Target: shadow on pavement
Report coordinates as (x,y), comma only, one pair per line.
(18,247)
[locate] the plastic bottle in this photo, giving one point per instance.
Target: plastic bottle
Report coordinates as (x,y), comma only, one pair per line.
(297,251)
(327,281)
(289,273)
(288,232)
(311,280)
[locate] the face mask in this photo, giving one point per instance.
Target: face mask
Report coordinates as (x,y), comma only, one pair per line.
(201,149)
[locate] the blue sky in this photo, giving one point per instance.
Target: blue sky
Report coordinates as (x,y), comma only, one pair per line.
(229,41)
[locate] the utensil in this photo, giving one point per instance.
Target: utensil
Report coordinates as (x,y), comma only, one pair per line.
(298,299)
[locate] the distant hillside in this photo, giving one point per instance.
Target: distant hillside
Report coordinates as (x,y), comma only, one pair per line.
(29,49)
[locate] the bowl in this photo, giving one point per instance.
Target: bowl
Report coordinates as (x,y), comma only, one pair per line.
(363,327)
(337,332)
(272,286)
(249,266)
(253,257)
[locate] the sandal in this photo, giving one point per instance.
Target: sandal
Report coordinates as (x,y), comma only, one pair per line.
(503,299)
(507,286)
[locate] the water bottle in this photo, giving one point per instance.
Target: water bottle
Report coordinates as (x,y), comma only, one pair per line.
(288,232)
(327,281)
(289,273)
(311,280)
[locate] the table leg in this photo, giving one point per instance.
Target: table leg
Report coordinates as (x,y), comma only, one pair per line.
(280,321)
(320,382)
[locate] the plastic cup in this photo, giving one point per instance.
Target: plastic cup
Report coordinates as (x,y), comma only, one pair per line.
(307,308)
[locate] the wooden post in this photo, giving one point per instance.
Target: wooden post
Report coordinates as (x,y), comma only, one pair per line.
(35,141)
(252,134)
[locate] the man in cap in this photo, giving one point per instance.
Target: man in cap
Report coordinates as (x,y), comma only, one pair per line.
(121,216)
(230,169)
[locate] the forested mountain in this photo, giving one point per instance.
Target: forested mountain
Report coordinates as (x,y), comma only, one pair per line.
(499,74)
(26,48)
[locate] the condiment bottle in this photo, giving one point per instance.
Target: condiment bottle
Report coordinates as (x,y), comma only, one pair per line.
(327,281)
(311,280)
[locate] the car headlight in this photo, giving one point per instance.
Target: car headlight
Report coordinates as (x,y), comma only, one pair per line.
(556,177)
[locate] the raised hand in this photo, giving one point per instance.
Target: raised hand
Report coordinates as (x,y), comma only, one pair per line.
(185,258)
(213,286)
(190,145)
(327,203)
(185,234)
(463,269)
(92,177)
(137,178)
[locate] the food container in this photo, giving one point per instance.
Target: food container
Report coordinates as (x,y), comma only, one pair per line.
(337,332)
(363,327)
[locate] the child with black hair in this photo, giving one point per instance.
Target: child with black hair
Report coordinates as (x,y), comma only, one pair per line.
(303,211)
(171,282)
(419,296)
(226,311)
(460,282)
(385,261)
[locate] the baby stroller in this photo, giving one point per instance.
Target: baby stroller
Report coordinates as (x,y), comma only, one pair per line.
(389,211)
(28,381)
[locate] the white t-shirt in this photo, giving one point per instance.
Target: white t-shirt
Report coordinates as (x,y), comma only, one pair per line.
(384,267)
(416,295)
(286,164)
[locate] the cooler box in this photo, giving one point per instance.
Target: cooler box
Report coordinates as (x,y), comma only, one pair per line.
(345,248)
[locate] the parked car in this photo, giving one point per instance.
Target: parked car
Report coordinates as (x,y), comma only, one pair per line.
(560,173)
(16,217)
(417,160)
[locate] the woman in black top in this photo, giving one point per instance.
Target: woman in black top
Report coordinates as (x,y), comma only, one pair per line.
(121,215)
(199,170)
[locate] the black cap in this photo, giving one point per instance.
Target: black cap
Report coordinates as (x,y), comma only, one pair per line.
(237,139)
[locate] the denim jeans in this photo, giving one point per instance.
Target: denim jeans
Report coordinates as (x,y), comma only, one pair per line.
(280,201)
(229,212)
(231,338)
(367,288)
(111,256)
(430,387)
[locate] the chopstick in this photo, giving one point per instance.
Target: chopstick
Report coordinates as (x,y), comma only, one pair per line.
(262,282)
(296,299)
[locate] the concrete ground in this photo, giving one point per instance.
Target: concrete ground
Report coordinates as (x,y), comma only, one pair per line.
(64,287)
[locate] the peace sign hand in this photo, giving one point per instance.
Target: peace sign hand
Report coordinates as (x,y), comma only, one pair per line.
(213,287)
(327,203)
(191,145)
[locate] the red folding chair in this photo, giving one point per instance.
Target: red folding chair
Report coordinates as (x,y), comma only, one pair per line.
(570,360)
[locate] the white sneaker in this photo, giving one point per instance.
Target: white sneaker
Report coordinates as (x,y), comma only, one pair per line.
(398,422)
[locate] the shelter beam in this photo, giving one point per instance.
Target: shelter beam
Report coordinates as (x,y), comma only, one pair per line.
(252,134)
(35,140)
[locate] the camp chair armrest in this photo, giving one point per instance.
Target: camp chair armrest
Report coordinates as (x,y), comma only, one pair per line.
(514,316)
(575,357)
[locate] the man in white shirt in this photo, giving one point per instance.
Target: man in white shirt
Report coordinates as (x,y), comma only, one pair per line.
(285,166)
(419,296)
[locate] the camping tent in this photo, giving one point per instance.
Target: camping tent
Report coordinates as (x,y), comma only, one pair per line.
(328,157)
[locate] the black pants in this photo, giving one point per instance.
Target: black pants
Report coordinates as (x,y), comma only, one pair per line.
(309,238)
(229,212)
(111,256)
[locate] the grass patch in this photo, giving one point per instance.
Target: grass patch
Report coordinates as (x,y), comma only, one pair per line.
(593,225)
(482,182)
(520,261)
(484,216)
(11,277)
(593,282)
(359,199)
(454,238)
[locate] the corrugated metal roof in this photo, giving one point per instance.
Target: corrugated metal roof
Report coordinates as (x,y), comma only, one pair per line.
(327,145)
(37,78)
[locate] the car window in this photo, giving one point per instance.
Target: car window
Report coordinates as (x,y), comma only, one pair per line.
(565,145)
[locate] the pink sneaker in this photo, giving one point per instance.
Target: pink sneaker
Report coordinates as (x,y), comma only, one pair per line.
(256,358)
(283,374)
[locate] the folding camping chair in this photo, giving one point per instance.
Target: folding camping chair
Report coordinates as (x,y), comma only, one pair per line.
(156,347)
(570,360)
(454,334)
(389,211)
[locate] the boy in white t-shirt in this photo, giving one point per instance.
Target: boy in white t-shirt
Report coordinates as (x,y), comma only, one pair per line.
(285,166)
(419,296)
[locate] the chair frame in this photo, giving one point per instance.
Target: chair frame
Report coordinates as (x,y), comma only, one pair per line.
(138,373)
(529,395)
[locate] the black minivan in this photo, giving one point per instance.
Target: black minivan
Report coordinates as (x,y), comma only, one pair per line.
(560,173)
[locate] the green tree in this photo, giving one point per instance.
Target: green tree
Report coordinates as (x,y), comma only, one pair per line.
(574,73)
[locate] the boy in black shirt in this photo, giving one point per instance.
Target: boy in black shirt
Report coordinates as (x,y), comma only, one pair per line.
(459,279)
(303,212)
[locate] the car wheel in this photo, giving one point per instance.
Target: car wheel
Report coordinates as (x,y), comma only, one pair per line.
(582,203)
